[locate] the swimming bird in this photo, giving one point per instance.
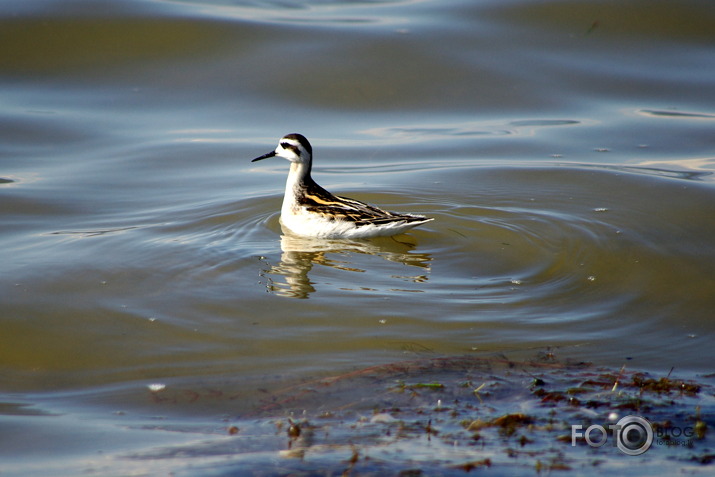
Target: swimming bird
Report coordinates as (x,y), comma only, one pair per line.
(309,210)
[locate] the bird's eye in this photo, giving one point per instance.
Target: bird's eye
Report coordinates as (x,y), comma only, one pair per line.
(290,147)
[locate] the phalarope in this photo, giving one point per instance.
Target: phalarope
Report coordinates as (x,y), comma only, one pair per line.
(310,210)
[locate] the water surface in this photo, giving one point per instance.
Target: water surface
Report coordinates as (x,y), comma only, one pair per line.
(564,148)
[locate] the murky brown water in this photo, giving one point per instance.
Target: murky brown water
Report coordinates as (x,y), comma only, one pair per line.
(565,150)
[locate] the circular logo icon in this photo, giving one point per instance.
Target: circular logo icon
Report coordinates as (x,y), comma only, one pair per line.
(634,435)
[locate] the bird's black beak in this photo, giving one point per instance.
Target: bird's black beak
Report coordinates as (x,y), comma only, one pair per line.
(265,156)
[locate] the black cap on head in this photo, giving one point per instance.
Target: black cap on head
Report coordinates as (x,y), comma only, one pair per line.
(302,140)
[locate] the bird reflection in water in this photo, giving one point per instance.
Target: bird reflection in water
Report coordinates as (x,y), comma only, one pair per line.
(290,277)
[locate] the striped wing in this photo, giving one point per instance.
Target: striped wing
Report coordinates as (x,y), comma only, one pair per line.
(318,200)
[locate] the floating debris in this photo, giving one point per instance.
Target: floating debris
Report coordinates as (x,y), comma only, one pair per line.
(510,416)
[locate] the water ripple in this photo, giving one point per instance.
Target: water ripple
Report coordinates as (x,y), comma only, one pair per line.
(313,12)
(548,246)
(675,114)
(467,129)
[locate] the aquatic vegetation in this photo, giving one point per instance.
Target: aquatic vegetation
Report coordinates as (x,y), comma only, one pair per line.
(456,414)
